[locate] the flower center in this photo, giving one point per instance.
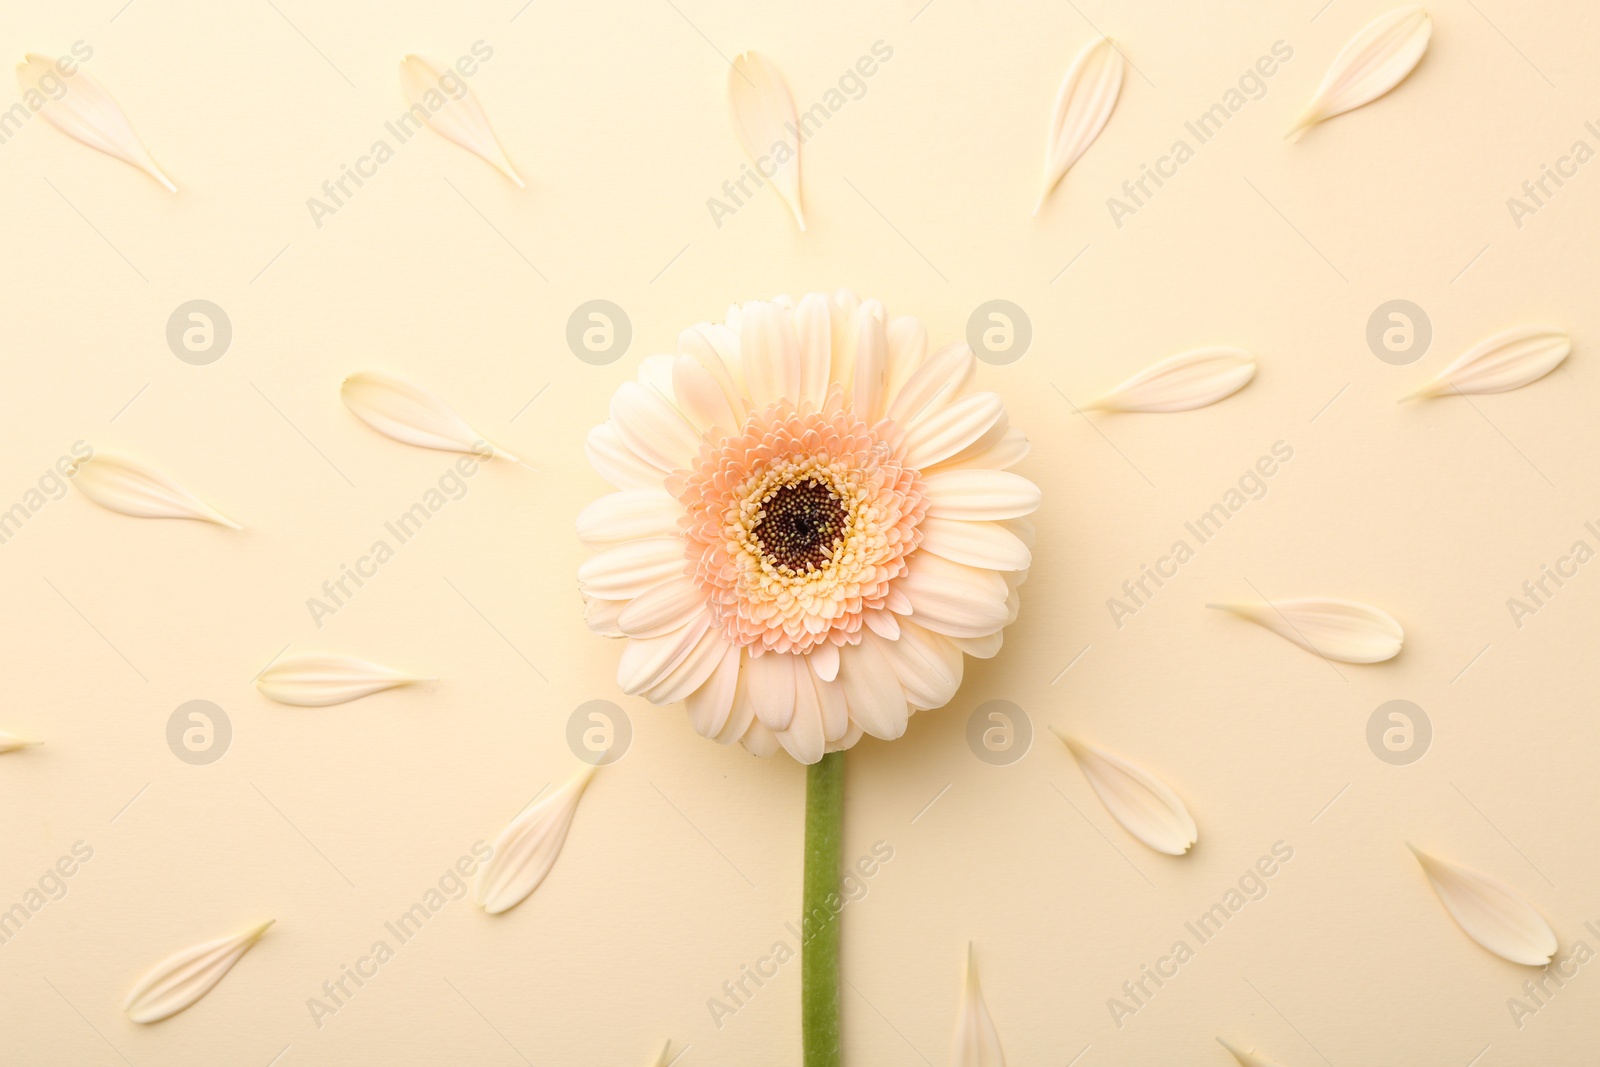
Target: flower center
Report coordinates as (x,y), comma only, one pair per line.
(796,525)
(801,525)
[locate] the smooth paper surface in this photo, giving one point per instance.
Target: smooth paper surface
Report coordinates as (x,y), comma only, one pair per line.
(1461,516)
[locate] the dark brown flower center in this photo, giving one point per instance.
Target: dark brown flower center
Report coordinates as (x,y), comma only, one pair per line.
(800,525)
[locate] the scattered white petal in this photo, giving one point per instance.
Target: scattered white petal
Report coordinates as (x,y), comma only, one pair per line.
(1083,105)
(527,848)
(1246,1059)
(412,414)
(1500,363)
(129,487)
(87,113)
(1344,630)
(764,120)
(1376,60)
(1490,912)
(1183,382)
(459,118)
(11,742)
(318,680)
(1145,806)
(977,1043)
(180,980)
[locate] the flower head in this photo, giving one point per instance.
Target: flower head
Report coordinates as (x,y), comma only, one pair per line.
(814,524)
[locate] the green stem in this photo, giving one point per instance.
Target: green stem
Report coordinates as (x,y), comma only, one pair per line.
(819,953)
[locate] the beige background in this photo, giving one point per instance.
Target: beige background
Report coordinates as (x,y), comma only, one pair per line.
(684,862)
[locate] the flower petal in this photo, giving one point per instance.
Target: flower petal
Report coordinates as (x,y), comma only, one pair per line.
(628,514)
(1343,630)
(629,569)
(946,432)
(834,705)
(1183,382)
(646,661)
(86,113)
(804,738)
(129,487)
(11,742)
(709,705)
(977,544)
(616,462)
(701,399)
(813,329)
(759,741)
(954,599)
(764,118)
(1506,361)
(600,616)
(742,714)
(461,120)
(771,684)
(824,660)
(1137,799)
(977,1043)
(945,375)
(872,691)
(527,848)
(769,354)
(1012,448)
(1374,61)
(871,366)
(1490,912)
(882,622)
(1083,106)
(716,348)
(319,679)
(652,427)
(691,675)
(1246,1059)
(928,665)
(848,740)
(412,414)
(662,608)
(980,647)
(975,495)
(178,981)
(908,349)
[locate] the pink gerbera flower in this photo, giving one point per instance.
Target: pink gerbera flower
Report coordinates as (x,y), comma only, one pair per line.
(814,524)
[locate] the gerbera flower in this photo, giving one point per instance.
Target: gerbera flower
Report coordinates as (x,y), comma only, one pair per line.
(814,524)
